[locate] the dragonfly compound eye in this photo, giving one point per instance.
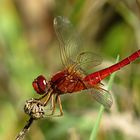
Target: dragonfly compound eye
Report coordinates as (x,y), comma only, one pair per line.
(39,84)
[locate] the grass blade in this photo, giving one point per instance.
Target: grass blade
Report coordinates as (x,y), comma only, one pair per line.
(94,132)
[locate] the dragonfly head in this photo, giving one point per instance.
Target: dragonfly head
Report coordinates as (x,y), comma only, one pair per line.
(40,84)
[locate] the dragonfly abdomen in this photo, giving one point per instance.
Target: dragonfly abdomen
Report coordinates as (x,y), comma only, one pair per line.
(96,77)
(122,63)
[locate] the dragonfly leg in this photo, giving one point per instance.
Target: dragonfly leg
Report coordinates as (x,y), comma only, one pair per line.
(53,106)
(52,103)
(48,98)
(57,100)
(60,105)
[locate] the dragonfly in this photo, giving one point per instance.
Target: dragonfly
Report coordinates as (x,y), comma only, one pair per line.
(73,77)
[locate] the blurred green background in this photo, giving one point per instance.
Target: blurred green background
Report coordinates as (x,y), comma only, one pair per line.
(29,47)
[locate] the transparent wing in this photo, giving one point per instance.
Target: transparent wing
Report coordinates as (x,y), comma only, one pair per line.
(102,96)
(68,38)
(88,59)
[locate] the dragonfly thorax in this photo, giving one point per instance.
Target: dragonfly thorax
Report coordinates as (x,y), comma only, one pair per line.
(67,81)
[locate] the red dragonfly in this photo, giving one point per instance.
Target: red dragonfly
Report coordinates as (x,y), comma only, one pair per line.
(73,77)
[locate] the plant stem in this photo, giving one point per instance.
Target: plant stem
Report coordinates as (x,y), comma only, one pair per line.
(24,131)
(94,132)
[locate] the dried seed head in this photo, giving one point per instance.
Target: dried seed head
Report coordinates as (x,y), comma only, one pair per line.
(34,109)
